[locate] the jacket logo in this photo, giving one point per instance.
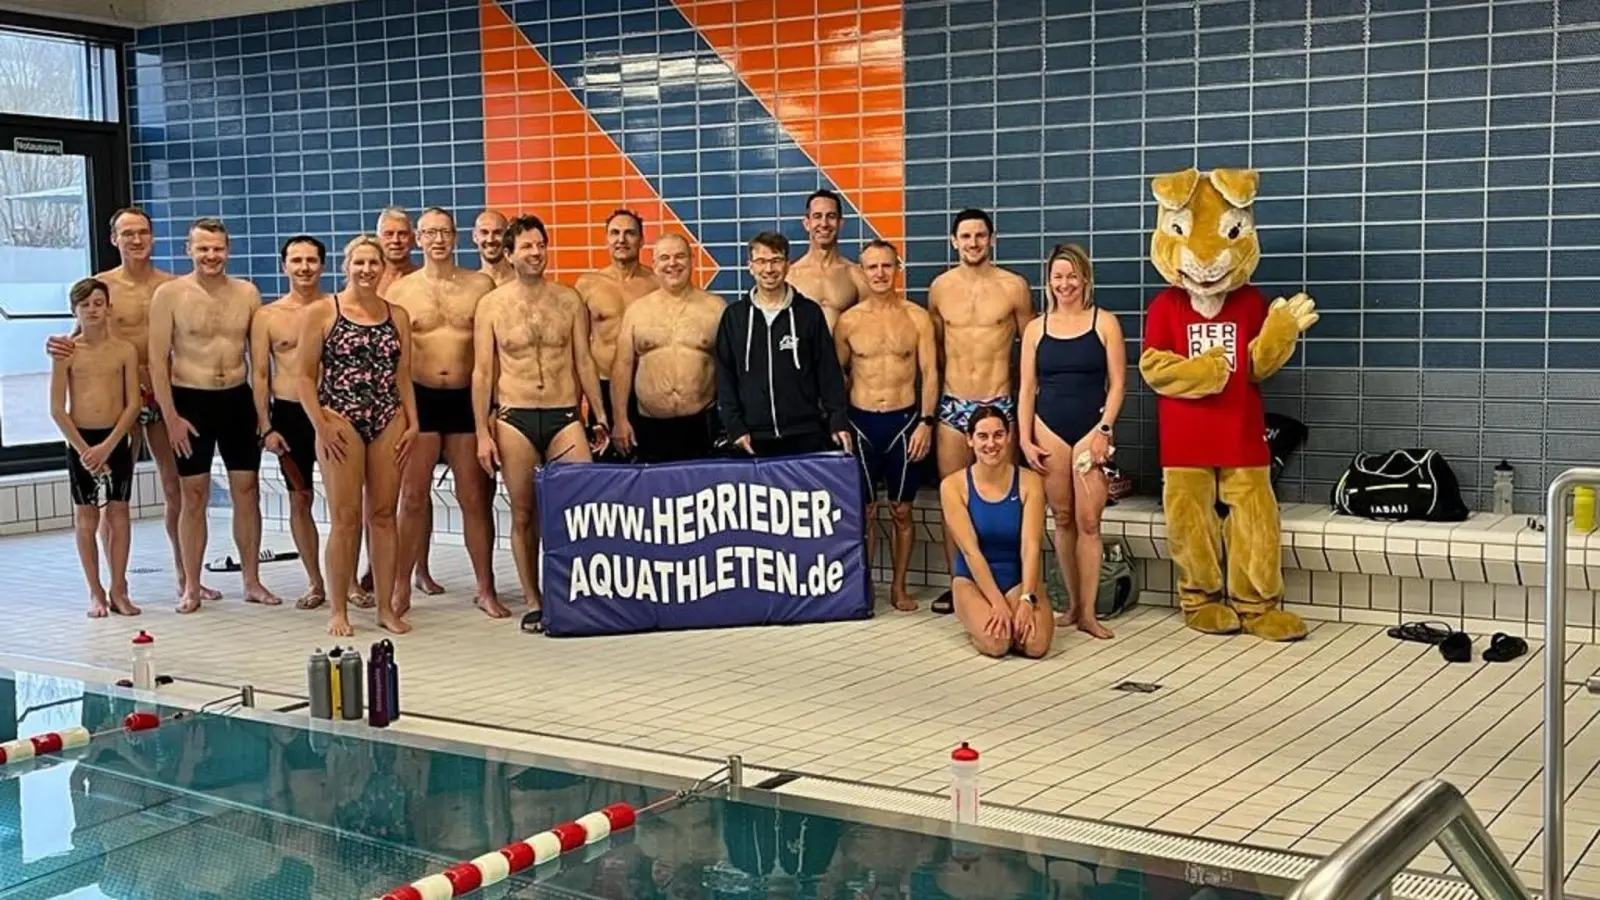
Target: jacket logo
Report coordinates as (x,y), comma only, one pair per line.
(1205,335)
(788,342)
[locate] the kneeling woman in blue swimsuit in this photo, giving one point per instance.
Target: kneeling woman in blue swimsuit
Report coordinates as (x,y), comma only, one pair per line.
(994,512)
(355,383)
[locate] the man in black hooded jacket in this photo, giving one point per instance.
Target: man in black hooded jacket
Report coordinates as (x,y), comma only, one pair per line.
(780,391)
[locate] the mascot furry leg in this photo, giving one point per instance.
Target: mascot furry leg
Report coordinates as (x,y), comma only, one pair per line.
(1210,340)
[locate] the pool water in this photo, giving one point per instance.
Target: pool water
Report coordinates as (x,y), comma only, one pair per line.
(237,808)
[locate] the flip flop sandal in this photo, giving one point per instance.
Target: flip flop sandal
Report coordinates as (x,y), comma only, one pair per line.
(268,556)
(533,622)
(945,605)
(225,564)
(362,600)
(1422,632)
(1504,648)
(1457,648)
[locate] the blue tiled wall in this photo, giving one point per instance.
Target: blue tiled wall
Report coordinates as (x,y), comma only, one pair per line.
(1428,176)
(306,120)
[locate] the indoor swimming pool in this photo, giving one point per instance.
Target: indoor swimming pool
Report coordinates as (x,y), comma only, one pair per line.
(248,803)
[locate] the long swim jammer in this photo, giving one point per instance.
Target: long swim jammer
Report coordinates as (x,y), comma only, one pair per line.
(883,448)
(290,421)
(116,479)
(443,410)
(956,412)
(539,425)
(224,420)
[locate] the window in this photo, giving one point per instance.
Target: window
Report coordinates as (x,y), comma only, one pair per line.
(63,169)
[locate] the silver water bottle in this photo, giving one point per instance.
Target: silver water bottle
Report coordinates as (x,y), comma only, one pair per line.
(351,675)
(318,690)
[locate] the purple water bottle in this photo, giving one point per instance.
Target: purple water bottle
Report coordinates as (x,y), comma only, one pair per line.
(391,679)
(378,707)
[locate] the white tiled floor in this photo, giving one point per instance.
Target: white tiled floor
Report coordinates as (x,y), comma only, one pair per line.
(1281,746)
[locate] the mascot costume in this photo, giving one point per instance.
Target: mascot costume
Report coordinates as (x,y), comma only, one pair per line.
(1209,341)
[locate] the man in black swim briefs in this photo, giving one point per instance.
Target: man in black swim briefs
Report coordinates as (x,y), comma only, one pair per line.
(442,299)
(885,343)
(274,341)
(199,349)
(531,348)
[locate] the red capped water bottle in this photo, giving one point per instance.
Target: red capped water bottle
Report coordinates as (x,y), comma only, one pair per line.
(964,785)
(144,662)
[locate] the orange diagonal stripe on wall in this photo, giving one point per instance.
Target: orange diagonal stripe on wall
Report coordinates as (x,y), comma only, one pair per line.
(543,154)
(832,74)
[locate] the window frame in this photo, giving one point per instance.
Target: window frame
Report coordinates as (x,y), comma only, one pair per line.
(109,146)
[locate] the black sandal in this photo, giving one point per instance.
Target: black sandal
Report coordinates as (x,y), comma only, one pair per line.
(1504,648)
(944,605)
(533,622)
(1457,648)
(1423,632)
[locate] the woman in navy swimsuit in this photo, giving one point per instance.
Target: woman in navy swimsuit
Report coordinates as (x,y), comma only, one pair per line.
(1074,370)
(994,513)
(355,355)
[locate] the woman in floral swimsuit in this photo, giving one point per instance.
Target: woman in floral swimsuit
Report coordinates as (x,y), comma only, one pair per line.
(355,352)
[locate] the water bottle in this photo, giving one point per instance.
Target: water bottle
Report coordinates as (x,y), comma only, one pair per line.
(391,679)
(144,662)
(964,785)
(350,682)
(1503,487)
(319,686)
(335,679)
(378,709)
(1583,509)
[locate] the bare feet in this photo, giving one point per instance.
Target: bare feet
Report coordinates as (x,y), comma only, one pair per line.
(402,598)
(209,595)
(97,605)
(311,599)
(188,603)
(122,606)
(366,582)
(492,607)
(339,626)
(260,594)
(1092,627)
(427,585)
(393,623)
(901,600)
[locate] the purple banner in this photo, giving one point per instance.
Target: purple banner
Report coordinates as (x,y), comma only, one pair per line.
(714,543)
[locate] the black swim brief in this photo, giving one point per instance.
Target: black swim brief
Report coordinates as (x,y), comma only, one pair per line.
(673,439)
(224,420)
(290,421)
(114,483)
(444,410)
(539,425)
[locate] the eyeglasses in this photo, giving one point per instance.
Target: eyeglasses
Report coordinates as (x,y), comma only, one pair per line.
(429,234)
(768,261)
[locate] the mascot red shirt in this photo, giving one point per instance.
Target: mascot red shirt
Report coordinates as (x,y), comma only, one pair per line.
(1224,429)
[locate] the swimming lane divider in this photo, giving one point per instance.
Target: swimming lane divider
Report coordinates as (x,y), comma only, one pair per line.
(53,742)
(495,867)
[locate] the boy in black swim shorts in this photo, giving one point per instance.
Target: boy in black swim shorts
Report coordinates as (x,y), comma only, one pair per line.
(94,400)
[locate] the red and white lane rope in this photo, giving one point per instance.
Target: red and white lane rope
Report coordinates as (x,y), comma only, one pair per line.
(53,742)
(493,868)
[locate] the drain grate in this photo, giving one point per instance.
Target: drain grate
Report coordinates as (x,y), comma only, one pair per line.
(143,570)
(1137,687)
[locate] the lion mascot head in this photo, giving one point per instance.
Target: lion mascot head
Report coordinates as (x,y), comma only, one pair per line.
(1205,238)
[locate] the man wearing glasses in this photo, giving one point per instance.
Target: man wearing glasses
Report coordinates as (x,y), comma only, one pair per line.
(780,391)
(442,299)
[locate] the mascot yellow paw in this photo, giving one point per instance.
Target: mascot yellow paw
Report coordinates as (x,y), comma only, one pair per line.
(1212,618)
(1275,625)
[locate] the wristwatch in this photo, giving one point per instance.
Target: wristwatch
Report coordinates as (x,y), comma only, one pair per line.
(1031,598)
(928,420)
(1104,429)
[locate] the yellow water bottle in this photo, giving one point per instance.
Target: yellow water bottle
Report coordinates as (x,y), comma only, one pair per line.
(1583,509)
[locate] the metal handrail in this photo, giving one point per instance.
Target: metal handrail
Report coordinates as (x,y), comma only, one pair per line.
(1431,811)
(1555,673)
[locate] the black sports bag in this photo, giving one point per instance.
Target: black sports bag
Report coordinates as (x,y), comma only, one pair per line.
(1411,484)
